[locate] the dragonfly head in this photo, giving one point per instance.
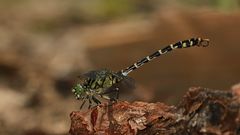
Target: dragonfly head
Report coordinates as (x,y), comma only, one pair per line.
(79,91)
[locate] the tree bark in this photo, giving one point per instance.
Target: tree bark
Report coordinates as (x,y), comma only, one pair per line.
(201,112)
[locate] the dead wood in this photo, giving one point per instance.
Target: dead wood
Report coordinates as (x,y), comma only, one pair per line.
(201,112)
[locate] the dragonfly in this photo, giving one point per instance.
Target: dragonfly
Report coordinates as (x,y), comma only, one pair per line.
(105,84)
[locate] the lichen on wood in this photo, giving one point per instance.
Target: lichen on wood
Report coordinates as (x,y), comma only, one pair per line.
(201,111)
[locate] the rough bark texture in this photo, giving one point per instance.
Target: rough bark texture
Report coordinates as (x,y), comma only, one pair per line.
(201,111)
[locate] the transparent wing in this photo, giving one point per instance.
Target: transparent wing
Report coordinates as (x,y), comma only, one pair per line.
(83,78)
(125,85)
(94,74)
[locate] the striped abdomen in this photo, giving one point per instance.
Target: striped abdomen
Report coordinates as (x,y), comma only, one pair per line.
(181,44)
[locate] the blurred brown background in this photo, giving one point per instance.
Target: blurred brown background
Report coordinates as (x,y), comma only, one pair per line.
(45,45)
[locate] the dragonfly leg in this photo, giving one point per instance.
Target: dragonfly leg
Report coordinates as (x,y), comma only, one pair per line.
(117,93)
(90,103)
(96,100)
(84,101)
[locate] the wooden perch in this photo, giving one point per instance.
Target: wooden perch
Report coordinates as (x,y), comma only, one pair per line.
(201,111)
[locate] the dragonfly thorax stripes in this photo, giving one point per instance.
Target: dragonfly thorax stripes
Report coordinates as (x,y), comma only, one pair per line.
(105,84)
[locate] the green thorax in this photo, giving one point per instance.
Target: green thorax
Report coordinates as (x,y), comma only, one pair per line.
(102,79)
